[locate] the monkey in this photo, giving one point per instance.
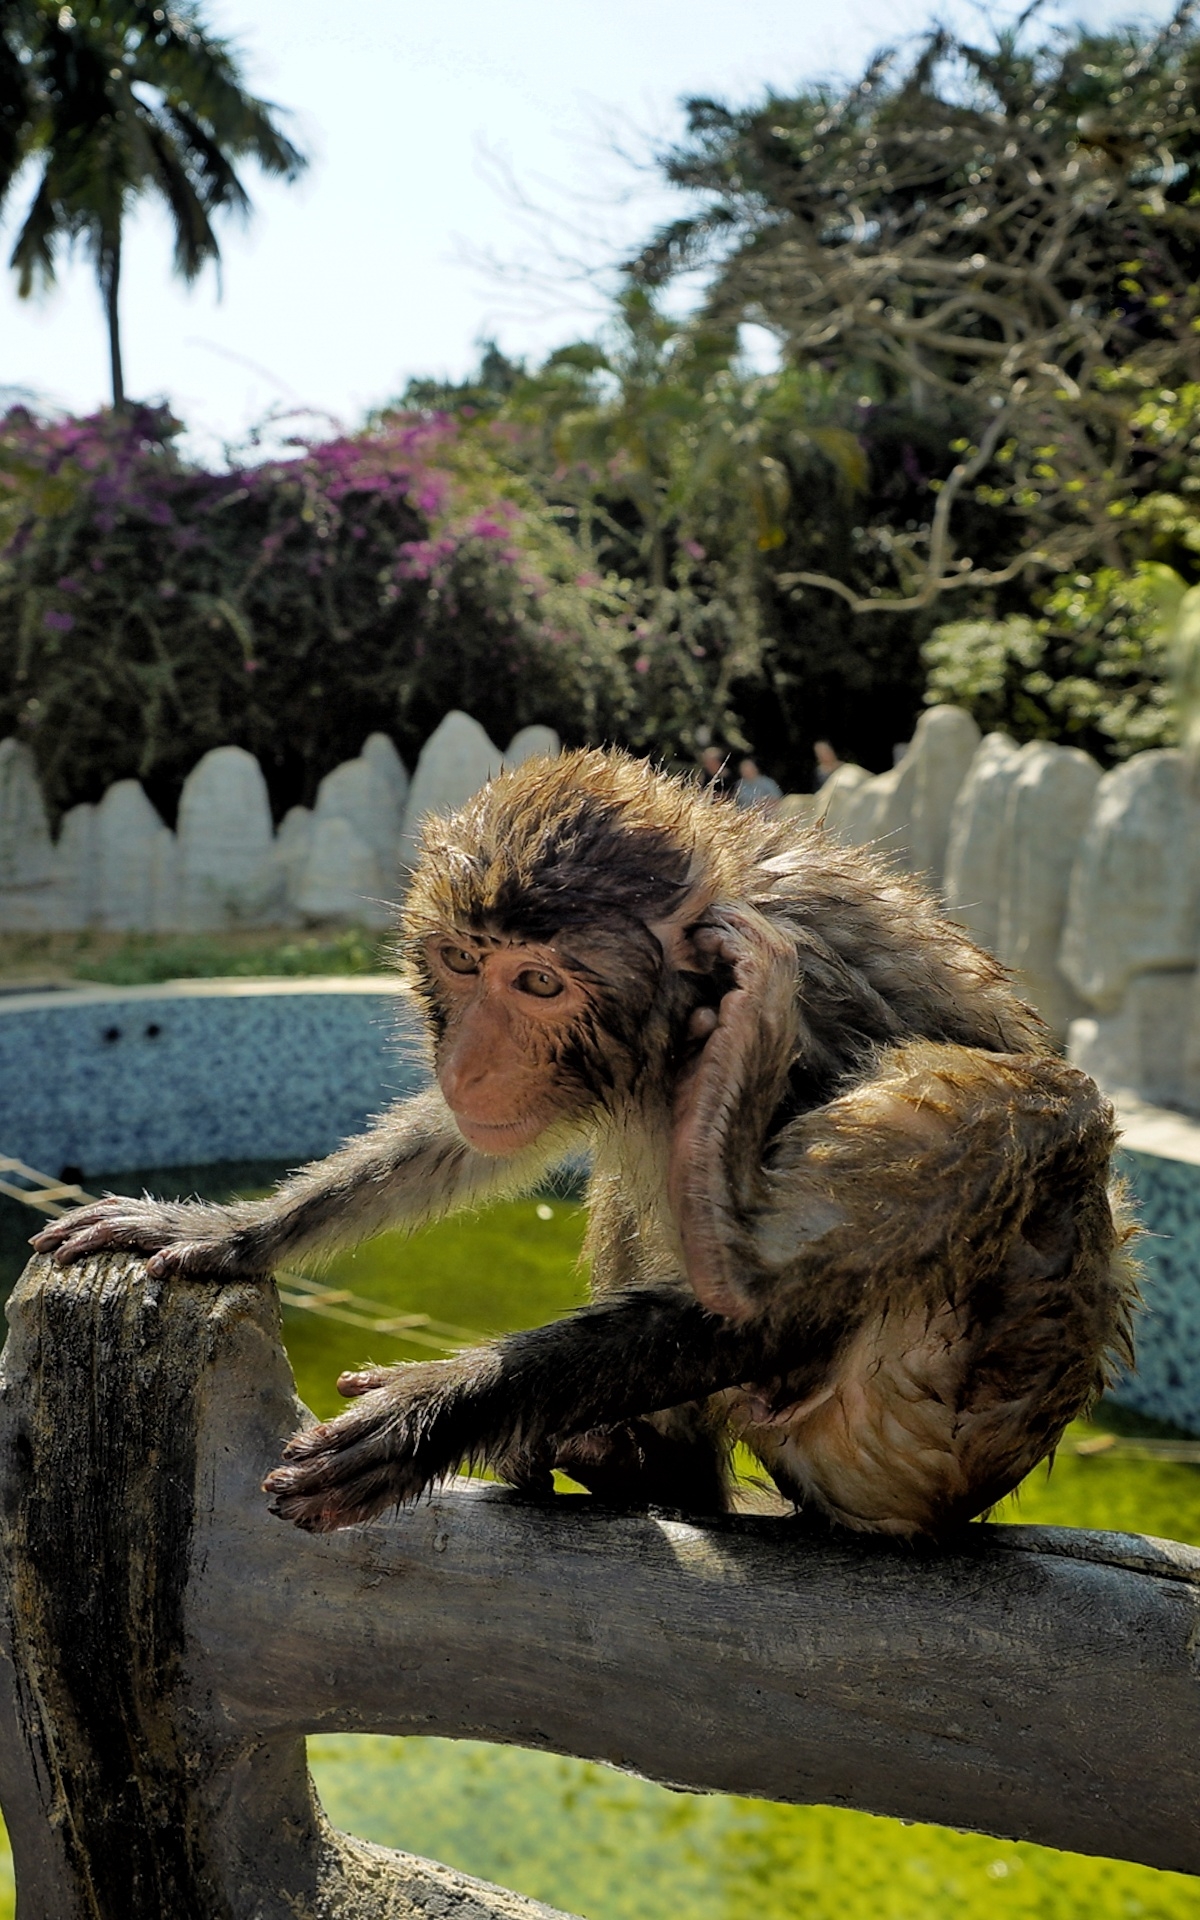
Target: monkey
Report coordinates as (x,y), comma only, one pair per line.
(847,1205)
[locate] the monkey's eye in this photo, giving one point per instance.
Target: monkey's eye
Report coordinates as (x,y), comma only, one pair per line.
(459,960)
(543,986)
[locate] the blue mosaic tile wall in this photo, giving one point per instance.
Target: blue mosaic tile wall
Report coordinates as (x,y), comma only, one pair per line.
(197,1072)
(1167,1382)
(203,1071)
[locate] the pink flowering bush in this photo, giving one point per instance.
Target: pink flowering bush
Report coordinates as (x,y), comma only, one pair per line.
(150,610)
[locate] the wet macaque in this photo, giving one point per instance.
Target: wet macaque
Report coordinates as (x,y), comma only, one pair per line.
(847,1206)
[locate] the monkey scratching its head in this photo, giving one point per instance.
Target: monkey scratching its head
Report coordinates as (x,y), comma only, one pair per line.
(847,1206)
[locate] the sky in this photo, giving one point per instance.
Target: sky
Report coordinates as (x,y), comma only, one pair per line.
(453,149)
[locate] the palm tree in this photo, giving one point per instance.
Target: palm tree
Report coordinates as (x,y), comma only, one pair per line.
(124,99)
(16,102)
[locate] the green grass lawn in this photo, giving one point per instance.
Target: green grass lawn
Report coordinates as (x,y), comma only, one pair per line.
(142,959)
(614,1848)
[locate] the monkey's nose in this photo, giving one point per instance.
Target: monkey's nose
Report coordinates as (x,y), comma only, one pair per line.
(459,1079)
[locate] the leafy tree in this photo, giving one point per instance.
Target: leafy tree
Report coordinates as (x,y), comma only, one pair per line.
(679,472)
(150,610)
(983,265)
(987,230)
(1109,658)
(16,104)
(117,101)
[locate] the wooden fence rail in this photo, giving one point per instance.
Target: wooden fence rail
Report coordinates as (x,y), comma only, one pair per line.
(167,1644)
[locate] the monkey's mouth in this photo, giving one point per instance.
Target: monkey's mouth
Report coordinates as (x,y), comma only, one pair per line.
(501,1136)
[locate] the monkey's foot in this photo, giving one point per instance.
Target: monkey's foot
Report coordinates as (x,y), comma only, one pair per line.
(632,1464)
(405,1432)
(164,1230)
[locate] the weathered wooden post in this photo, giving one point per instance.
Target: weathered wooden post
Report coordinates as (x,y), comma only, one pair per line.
(156,1679)
(167,1644)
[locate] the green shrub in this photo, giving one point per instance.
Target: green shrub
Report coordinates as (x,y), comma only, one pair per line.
(150,610)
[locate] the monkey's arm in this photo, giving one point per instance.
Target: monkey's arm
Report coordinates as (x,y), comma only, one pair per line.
(412,1167)
(631,1354)
(724,1102)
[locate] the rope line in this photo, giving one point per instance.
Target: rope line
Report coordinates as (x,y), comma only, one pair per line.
(298,1290)
(45,1194)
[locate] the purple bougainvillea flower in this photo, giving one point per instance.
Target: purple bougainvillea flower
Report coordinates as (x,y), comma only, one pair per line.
(58,622)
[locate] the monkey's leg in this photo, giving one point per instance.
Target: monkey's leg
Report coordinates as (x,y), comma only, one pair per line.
(413,1166)
(679,1458)
(969,1248)
(628,1356)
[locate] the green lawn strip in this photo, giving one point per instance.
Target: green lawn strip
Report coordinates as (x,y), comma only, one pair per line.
(143,959)
(143,962)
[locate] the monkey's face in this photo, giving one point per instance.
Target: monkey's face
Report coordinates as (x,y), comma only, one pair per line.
(517,1036)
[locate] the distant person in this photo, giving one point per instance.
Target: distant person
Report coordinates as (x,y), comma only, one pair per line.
(827,762)
(715,773)
(756,788)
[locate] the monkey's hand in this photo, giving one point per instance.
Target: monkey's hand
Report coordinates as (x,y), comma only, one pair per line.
(407,1429)
(180,1236)
(726,1097)
(512,1405)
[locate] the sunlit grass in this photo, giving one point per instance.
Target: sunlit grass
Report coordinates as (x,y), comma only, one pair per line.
(604,1845)
(142,959)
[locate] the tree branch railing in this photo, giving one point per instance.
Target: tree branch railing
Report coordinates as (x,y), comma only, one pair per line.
(167,1644)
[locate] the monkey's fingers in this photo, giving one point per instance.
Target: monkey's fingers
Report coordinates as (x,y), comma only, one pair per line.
(362,1380)
(109,1223)
(49,1238)
(319,1509)
(718,942)
(747,942)
(702,1022)
(120,1224)
(334,1475)
(191,1259)
(382,1452)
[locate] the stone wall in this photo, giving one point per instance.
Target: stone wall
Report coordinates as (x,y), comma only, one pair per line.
(1086,884)
(118,866)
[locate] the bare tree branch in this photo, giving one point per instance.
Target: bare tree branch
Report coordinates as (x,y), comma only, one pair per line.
(939,578)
